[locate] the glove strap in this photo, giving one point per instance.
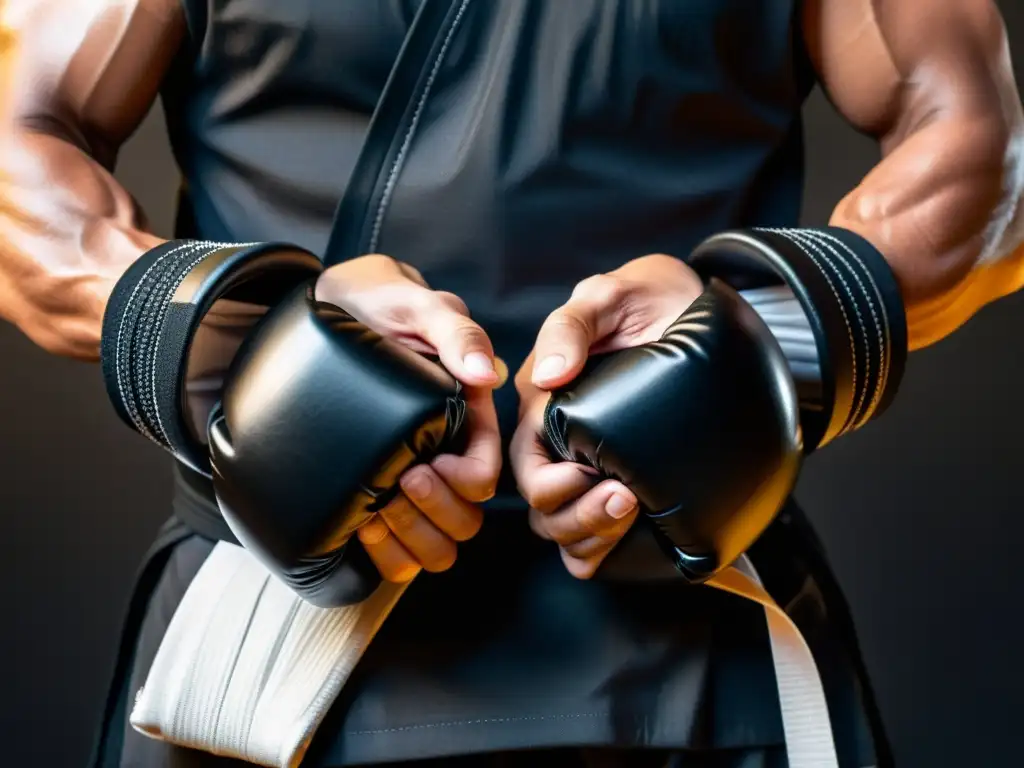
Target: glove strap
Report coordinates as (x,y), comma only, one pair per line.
(156,312)
(848,350)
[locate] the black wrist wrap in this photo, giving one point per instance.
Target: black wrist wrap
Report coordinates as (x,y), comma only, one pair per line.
(153,316)
(852,303)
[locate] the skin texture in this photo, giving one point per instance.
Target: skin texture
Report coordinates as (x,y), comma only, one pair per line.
(81,76)
(930,79)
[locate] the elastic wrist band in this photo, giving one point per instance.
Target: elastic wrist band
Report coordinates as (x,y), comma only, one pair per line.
(153,317)
(852,316)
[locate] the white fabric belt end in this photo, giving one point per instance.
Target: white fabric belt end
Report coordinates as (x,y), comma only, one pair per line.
(249,670)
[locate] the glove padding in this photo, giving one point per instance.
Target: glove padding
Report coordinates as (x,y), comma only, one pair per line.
(702,426)
(698,449)
(320,416)
(318,419)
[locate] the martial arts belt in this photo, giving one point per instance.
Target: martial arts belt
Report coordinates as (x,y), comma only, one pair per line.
(266,637)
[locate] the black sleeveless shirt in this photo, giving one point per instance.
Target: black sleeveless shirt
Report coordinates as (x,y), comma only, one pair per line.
(535,143)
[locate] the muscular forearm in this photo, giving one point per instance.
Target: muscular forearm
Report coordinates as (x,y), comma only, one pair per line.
(68,230)
(945,208)
(78,78)
(933,81)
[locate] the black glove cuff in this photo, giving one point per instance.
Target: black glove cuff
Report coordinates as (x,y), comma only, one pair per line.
(853,307)
(153,316)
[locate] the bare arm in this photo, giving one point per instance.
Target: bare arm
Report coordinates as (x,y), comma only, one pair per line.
(79,76)
(932,80)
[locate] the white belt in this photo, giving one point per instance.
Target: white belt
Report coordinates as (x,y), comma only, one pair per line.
(249,670)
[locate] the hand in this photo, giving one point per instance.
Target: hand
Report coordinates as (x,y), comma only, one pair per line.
(438,506)
(569,503)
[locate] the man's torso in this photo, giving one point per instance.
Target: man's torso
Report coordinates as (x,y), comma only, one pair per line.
(545,141)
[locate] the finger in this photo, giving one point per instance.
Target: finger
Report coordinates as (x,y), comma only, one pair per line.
(607,511)
(551,486)
(393,561)
(591,548)
(461,344)
(422,539)
(473,475)
(538,523)
(592,313)
(582,568)
(452,515)
(545,484)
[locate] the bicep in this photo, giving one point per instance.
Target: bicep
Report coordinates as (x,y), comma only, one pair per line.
(892,67)
(87,70)
(933,82)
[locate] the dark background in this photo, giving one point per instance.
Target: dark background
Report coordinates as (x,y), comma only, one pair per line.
(922,514)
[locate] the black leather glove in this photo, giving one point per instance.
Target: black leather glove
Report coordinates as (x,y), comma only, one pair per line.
(319,418)
(303,418)
(706,426)
(702,427)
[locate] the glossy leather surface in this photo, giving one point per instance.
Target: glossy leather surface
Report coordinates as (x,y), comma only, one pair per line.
(318,419)
(701,425)
(852,301)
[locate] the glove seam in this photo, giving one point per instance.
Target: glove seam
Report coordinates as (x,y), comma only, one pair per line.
(885,337)
(806,243)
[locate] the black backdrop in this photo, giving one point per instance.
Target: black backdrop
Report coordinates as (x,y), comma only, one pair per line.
(922,513)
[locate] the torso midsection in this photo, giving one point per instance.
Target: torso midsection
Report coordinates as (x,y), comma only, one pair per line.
(557,140)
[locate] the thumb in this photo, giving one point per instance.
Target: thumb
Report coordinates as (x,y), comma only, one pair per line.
(564,341)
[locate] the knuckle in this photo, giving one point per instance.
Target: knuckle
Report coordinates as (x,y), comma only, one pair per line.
(538,524)
(582,569)
(401,517)
(376,261)
(452,302)
(564,538)
(600,289)
(534,497)
(584,549)
(373,533)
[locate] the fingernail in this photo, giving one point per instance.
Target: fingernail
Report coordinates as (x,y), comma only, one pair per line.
(479,364)
(417,485)
(548,368)
(618,506)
